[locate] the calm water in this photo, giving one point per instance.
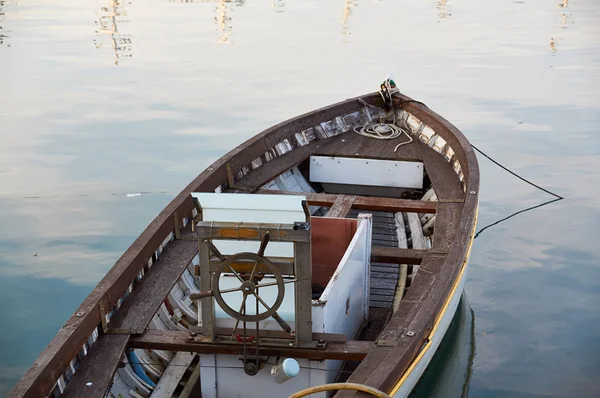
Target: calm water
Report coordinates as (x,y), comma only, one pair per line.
(100,99)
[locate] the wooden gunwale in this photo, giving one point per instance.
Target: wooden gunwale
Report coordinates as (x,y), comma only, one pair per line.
(52,362)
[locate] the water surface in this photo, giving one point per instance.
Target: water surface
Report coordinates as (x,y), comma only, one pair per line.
(101,99)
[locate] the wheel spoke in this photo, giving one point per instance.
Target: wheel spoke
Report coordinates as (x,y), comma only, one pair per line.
(261,301)
(237,289)
(274,283)
(253,270)
(237,321)
(236,274)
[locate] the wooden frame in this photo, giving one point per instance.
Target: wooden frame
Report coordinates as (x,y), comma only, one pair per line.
(301,267)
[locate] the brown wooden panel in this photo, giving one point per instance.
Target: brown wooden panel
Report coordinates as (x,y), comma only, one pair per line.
(95,373)
(330,238)
(143,302)
(341,206)
(445,181)
(179,341)
(394,255)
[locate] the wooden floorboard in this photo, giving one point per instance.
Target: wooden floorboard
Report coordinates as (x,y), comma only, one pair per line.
(143,302)
(445,182)
(169,380)
(94,375)
(351,144)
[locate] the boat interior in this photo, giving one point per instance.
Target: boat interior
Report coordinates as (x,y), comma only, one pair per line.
(316,252)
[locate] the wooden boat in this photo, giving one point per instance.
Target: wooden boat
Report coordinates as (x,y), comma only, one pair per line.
(356,249)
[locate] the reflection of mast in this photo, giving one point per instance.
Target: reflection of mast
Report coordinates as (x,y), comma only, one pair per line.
(223,22)
(279,5)
(107,24)
(3,32)
(563,22)
(345,29)
(443,11)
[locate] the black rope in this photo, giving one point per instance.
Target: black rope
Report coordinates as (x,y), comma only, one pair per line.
(516,175)
(557,197)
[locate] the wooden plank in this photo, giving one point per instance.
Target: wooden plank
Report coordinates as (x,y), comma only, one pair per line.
(169,380)
(416,231)
(179,341)
(251,231)
(94,375)
(394,255)
(341,206)
(446,226)
(374,204)
(140,306)
(303,292)
(445,181)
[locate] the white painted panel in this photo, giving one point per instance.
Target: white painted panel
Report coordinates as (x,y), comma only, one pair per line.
(232,382)
(373,172)
(346,295)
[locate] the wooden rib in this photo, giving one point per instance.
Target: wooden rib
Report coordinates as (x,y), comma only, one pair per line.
(364,202)
(143,302)
(178,341)
(445,181)
(98,368)
(394,255)
(341,206)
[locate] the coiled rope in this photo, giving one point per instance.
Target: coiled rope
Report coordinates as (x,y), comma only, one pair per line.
(340,386)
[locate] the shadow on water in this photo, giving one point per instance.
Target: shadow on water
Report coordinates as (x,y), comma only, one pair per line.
(449,373)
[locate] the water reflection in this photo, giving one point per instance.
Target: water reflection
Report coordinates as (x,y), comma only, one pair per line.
(444,9)
(110,17)
(449,372)
(4,32)
(345,29)
(279,5)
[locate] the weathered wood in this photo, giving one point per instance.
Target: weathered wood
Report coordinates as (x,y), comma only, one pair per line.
(445,181)
(251,231)
(303,292)
(208,312)
(178,341)
(95,373)
(140,306)
(341,206)
(446,226)
(364,202)
(416,231)
(396,255)
(169,380)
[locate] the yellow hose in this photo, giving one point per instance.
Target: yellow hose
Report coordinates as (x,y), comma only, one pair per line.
(339,386)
